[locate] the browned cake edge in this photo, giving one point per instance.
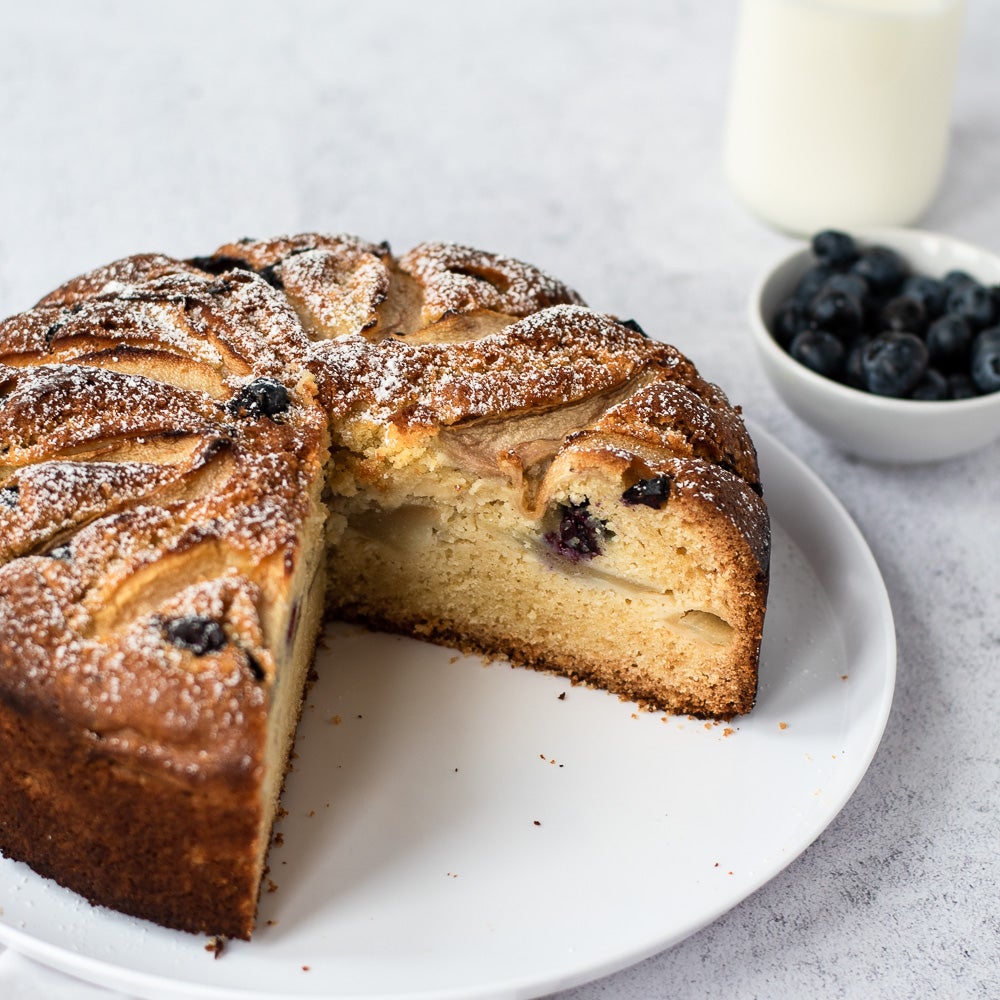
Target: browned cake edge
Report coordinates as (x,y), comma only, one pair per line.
(124,837)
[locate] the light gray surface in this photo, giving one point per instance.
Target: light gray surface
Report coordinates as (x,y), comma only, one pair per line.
(586,140)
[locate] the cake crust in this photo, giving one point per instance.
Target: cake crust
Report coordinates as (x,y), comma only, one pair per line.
(128,836)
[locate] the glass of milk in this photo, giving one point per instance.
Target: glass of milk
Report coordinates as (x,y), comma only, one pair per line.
(839,109)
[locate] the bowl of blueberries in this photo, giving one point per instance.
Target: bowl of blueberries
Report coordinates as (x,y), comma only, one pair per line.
(886,341)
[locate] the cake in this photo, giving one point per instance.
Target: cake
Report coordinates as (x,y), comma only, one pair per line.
(202,459)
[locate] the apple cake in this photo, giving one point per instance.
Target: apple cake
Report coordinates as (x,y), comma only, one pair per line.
(202,459)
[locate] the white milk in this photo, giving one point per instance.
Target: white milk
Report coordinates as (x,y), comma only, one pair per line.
(839,109)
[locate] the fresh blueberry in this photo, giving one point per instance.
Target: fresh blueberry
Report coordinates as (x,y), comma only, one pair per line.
(812,281)
(961,386)
(852,374)
(893,363)
(9,495)
(858,315)
(985,368)
(873,305)
(263,397)
(820,351)
(932,386)
(790,319)
(973,303)
(904,313)
(882,268)
(849,282)
(196,633)
(928,291)
(833,247)
(837,313)
(949,339)
(956,279)
(649,492)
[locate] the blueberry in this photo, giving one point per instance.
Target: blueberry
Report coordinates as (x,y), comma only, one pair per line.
(791,318)
(219,265)
(849,282)
(196,633)
(650,492)
(263,397)
(852,374)
(954,280)
(271,276)
(9,495)
(632,325)
(222,264)
(928,291)
(903,313)
(833,247)
(579,535)
(873,305)
(812,281)
(893,363)
(837,313)
(973,303)
(932,386)
(820,351)
(961,386)
(858,315)
(882,268)
(985,368)
(949,339)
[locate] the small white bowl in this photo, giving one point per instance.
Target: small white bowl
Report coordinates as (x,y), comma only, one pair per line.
(878,428)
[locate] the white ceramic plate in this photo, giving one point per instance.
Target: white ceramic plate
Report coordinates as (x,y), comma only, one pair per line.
(464,830)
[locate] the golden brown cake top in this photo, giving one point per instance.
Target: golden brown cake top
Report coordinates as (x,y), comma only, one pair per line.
(549,359)
(341,285)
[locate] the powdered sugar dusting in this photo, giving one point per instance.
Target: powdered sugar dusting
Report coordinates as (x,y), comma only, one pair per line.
(460,279)
(53,407)
(551,358)
(120,455)
(688,417)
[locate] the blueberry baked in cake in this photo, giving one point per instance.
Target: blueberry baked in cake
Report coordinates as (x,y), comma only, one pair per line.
(203,459)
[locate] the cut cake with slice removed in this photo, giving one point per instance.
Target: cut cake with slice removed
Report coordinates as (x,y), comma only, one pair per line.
(201,458)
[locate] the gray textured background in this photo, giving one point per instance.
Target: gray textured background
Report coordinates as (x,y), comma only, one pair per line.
(586,139)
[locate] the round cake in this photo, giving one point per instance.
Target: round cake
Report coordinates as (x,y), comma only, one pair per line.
(203,459)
